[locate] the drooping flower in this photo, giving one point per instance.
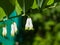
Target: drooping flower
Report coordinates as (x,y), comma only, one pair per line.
(4,31)
(29,25)
(13,29)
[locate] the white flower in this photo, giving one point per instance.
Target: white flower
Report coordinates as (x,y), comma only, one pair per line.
(15,26)
(13,29)
(4,31)
(29,25)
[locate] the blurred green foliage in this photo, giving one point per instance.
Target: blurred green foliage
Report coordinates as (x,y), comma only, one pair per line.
(46,17)
(50,2)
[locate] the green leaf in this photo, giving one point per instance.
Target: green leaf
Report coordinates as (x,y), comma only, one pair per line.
(39,2)
(18,8)
(50,2)
(25,4)
(34,6)
(2,14)
(7,6)
(44,3)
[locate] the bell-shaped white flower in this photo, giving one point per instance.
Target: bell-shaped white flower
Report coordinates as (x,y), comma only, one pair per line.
(29,25)
(4,32)
(13,29)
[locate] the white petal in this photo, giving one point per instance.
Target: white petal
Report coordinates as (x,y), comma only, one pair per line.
(29,24)
(12,30)
(4,31)
(15,26)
